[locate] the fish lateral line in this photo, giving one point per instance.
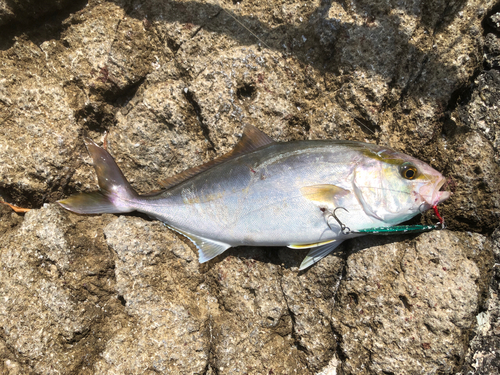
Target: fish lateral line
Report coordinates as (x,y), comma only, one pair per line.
(251,140)
(328,191)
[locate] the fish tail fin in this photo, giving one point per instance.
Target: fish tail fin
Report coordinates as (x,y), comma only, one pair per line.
(116,194)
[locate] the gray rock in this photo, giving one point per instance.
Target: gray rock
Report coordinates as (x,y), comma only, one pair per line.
(165,301)
(55,289)
(173,84)
(406,307)
(483,356)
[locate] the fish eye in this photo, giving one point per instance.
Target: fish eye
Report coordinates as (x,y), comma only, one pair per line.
(408,171)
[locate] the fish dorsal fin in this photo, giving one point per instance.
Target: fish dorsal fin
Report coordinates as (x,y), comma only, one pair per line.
(323,194)
(251,140)
(207,248)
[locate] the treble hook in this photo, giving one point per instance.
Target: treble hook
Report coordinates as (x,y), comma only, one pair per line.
(345,229)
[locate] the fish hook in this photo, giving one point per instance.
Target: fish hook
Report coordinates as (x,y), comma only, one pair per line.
(345,229)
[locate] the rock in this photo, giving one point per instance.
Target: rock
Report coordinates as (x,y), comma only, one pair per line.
(405,307)
(151,305)
(279,319)
(472,130)
(492,49)
(26,11)
(173,84)
(57,293)
(165,300)
(483,356)
(494,20)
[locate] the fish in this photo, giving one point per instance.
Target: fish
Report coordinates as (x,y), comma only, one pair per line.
(300,194)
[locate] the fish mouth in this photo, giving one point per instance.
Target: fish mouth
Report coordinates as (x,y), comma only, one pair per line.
(432,194)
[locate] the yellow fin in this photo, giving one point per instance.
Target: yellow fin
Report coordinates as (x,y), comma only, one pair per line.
(323,194)
(309,245)
(251,140)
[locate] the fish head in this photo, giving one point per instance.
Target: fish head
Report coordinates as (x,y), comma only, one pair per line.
(394,187)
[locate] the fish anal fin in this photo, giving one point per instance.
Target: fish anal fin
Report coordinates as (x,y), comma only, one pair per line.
(207,248)
(323,194)
(251,140)
(309,245)
(318,253)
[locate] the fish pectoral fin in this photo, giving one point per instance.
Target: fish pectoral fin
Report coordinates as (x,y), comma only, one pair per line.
(207,248)
(318,253)
(309,245)
(324,194)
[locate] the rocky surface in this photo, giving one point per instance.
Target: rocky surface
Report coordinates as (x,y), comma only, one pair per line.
(173,83)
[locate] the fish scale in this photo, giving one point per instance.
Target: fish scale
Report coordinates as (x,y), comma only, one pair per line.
(266,193)
(267,202)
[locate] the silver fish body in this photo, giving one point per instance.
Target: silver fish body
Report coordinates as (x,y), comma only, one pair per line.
(278,194)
